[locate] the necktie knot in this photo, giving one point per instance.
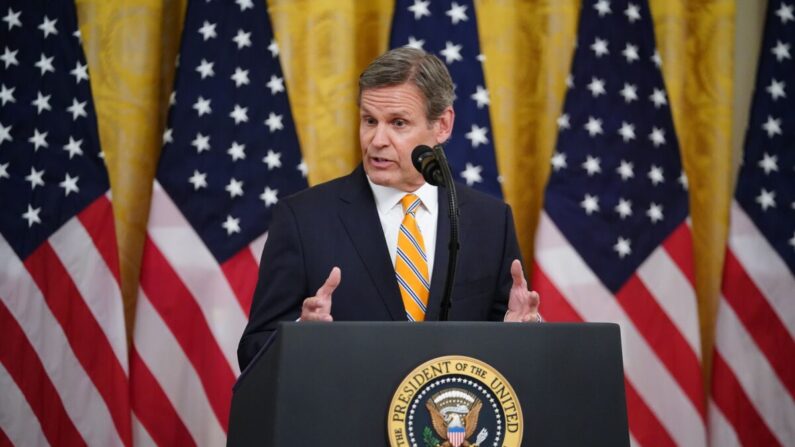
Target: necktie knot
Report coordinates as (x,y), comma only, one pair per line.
(410,202)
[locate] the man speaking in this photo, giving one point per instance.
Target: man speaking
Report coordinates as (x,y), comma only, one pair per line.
(372,245)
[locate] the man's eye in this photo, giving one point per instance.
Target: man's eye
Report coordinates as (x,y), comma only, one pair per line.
(369,121)
(399,123)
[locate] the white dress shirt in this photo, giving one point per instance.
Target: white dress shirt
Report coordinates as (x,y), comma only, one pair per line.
(390,211)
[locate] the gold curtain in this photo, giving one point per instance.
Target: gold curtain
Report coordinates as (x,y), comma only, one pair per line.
(131,47)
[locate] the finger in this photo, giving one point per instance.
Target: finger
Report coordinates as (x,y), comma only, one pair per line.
(331,284)
(517,274)
(534,299)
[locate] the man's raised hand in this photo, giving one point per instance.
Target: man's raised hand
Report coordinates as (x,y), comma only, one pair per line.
(318,307)
(522,303)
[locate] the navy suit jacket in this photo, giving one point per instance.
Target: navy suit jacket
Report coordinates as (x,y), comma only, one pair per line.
(337,224)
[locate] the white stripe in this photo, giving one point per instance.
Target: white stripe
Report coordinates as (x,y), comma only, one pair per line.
(17,419)
(199,271)
(633,442)
(643,368)
(94,281)
(161,353)
(82,401)
(721,432)
(257,245)
(141,437)
(660,274)
(763,264)
(756,376)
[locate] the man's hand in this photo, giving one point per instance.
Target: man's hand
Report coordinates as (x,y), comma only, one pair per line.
(318,307)
(522,303)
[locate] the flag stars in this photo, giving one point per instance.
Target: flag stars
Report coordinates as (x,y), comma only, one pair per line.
(80,72)
(35,178)
(73,147)
(274,122)
(683,180)
(201,143)
(623,247)
(559,161)
(39,139)
(785,13)
(630,53)
(48,27)
(245,4)
(77,109)
(590,204)
(239,114)
(656,58)
(592,165)
(656,175)
(602,7)
(769,163)
(303,168)
(9,57)
(632,12)
(772,126)
(208,31)
(45,64)
(4,170)
(451,52)
(658,98)
(481,96)
(276,84)
(269,196)
(273,47)
(272,159)
(231,225)
(237,151)
(599,47)
(420,9)
(655,212)
(416,43)
(624,208)
(569,81)
(5,133)
(597,87)
(205,68)
(477,135)
(766,199)
(202,106)
(657,136)
(240,77)
(32,215)
(629,92)
(563,122)
(472,174)
(234,188)
(457,13)
(168,136)
(41,102)
(593,126)
(198,180)
(781,51)
(627,131)
(69,184)
(776,89)
(12,19)
(625,170)
(242,39)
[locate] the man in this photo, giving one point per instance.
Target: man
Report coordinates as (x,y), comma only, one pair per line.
(360,248)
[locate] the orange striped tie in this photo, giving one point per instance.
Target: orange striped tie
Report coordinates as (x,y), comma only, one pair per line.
(411,265)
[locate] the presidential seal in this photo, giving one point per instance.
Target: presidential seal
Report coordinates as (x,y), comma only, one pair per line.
(454,401)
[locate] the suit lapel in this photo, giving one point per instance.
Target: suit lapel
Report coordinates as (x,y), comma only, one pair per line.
(359,216)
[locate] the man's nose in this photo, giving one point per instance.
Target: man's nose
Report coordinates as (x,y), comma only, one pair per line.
(380,137)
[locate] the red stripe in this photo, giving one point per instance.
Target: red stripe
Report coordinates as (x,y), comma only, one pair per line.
(85,335)
(4,441)
(679,247)
(152,407)
(760,320)
(97,219)
(241,272)
(643,424)
(664,338)
(729,396)
(23,364)
(175,304)
(554,306)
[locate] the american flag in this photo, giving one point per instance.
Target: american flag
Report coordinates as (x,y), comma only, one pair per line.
(614,242)
(449,30)
(63,349)
(753,380)
(230,152)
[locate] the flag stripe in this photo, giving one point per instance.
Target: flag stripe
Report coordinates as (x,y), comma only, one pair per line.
(97,219)
(19,358)
(241,272)
(164,358)
(643,423)
(141,437)
(153,409)
(554,306)
(177,306)
(4,438)
(85,335)
(760,320)
(257,246)
(729,396)
(721,432)
(679,246)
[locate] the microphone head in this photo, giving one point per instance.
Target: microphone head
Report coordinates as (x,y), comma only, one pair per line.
(419,154)
(424,160)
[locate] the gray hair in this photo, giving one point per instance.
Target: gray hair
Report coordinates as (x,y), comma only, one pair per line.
(411,65)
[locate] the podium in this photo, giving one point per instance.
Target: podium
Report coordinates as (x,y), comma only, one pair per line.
(338,384)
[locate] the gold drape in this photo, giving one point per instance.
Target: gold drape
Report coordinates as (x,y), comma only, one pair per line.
(131,47)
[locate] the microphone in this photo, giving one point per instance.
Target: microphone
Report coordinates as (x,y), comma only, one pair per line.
(426,162)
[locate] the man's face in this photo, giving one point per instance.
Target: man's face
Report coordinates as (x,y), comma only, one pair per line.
(392,123)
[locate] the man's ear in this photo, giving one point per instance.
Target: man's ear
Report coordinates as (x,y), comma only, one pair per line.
(444,125)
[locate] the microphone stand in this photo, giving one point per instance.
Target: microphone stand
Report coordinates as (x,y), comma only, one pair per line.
(453,246)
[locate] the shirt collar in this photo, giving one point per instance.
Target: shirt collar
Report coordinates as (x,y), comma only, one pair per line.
(387,197)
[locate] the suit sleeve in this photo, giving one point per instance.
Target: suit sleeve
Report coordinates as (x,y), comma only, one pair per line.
(510,251)
(281,286)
